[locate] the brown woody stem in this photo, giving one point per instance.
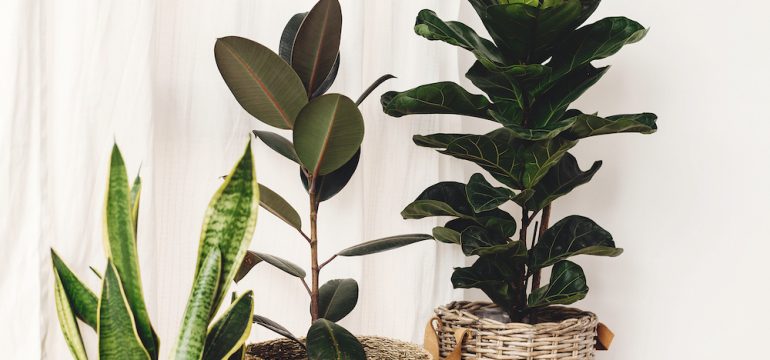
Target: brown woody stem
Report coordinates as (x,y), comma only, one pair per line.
(544,219)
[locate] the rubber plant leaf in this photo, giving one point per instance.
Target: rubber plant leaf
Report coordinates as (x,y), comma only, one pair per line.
(229,333)
(437,98)
(249,261)
(317,44)
(200,306)
(384,244)
(567,286)
(573,235)
(287,47)
(263,83)
(282,264)
(117,330)
(279,207)
(328,133)
(329,341)
(337,298)
(65,310)
(229,222)
(79,298)
(559,181)
(120,247)
(278,143)
(331,184)
(276,328)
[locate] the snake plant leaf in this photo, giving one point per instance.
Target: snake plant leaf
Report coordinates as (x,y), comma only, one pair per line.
(592,125)
(567,286)
(200,307)
(436,141)
(64,309)
(80,300)
(331,184)
(249,261)
(279,207)
(263,83)
(554,103)
(573,235)
(384,244)
(337,298)
(117,330)
(240,354)
(136,192)
(328,133)
(278,143)
(282,264)
(317,44)
(329,341)
(476,240)
(120,246)
(276,328)
(374,86)
(289,34)
(560,180)
(431,27)
(483,196)
(229,222)
(229,333)
(446,235)
(437,98)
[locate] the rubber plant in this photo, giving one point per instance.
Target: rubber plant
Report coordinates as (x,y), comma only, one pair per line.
(539,61)
(118,313)
(287,91)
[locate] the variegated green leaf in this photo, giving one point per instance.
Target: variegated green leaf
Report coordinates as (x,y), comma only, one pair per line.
(200,306)
(66,313)
(229,333)
(118,335)
(82,300)
(136,193)
(567,286)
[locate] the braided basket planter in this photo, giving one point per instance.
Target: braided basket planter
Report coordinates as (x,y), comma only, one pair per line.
(377,348)
(564,333)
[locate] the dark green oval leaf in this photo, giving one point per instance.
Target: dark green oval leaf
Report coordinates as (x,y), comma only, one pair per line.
(329,341)
(559,181)
(278,143)
(483,196)
(337,298)
(567,286)
(476,240)
(286,47)
(331,184)
(279,207)
(317,44)
(385,244)
(282,264)
(573,235)
(276,328)
(446,235)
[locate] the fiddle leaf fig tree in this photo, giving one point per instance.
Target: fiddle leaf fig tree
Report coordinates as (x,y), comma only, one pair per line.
(118,313)
(538,62)
(288,91)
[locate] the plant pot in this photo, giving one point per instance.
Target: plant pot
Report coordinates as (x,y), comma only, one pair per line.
(377,348)
(562,333)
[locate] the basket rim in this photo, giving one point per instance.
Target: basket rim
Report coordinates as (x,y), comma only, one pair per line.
(458,309)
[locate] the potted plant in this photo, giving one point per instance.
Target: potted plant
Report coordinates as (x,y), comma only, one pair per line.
(538,62)
(118,313)
(287,91)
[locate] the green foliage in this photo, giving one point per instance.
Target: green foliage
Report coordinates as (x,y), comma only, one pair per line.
(329,341)
(337,298)
(118,314)
(536,64)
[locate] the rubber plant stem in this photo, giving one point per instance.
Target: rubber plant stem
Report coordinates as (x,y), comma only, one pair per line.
(315,269)
(544,219)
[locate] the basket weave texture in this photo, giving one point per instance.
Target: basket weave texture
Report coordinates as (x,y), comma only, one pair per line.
(377,348)
(565,334)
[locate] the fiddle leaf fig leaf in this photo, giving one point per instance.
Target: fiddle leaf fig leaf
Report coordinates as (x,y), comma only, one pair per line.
(506,83)
(476,240)
(483,196)
(455,33)
(553,104)
(328,133)
(118,333)
(591,125)
(317,44)
(229,333)
(446,235)
(278,143)
(384,244)
(279,207)
(534,158)
(276,328)
(427,208)
(497,158)
(337,298)
(560,180)
(329,341)
(547,132)
(573,235)
(331,184)
(492,274)
(437,98)
(567,286)
(282,264)
(263,83)
(436,141)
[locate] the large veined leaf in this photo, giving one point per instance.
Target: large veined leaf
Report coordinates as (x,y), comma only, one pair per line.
(337,298)
(263,83)
(118,336)
(476,240)
(279,207)
(483,196)
(229,333)
(328,133)
(437,98)
(65,310)
(136,193)
(567,286)
(278,143)
(331,184)
(455,33)
(545,132)
(229,222)
(507,84)
(592,125)
(436,141)
(282,264)
(493,274)
(287,47)
(535,157)
(446,235)
(120,246)
(329,341)
(80,298)
(427,208)
(317,44)
(384,244)
(499,159)
(573,235)
(200,307)
(276,328)
(553,104)
(560,180)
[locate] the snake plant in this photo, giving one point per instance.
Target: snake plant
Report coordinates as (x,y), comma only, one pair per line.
(538,62)
(118,313)
(288,91)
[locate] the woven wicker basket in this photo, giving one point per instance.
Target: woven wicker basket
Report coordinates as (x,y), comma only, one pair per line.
(564,334)
(377,348)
